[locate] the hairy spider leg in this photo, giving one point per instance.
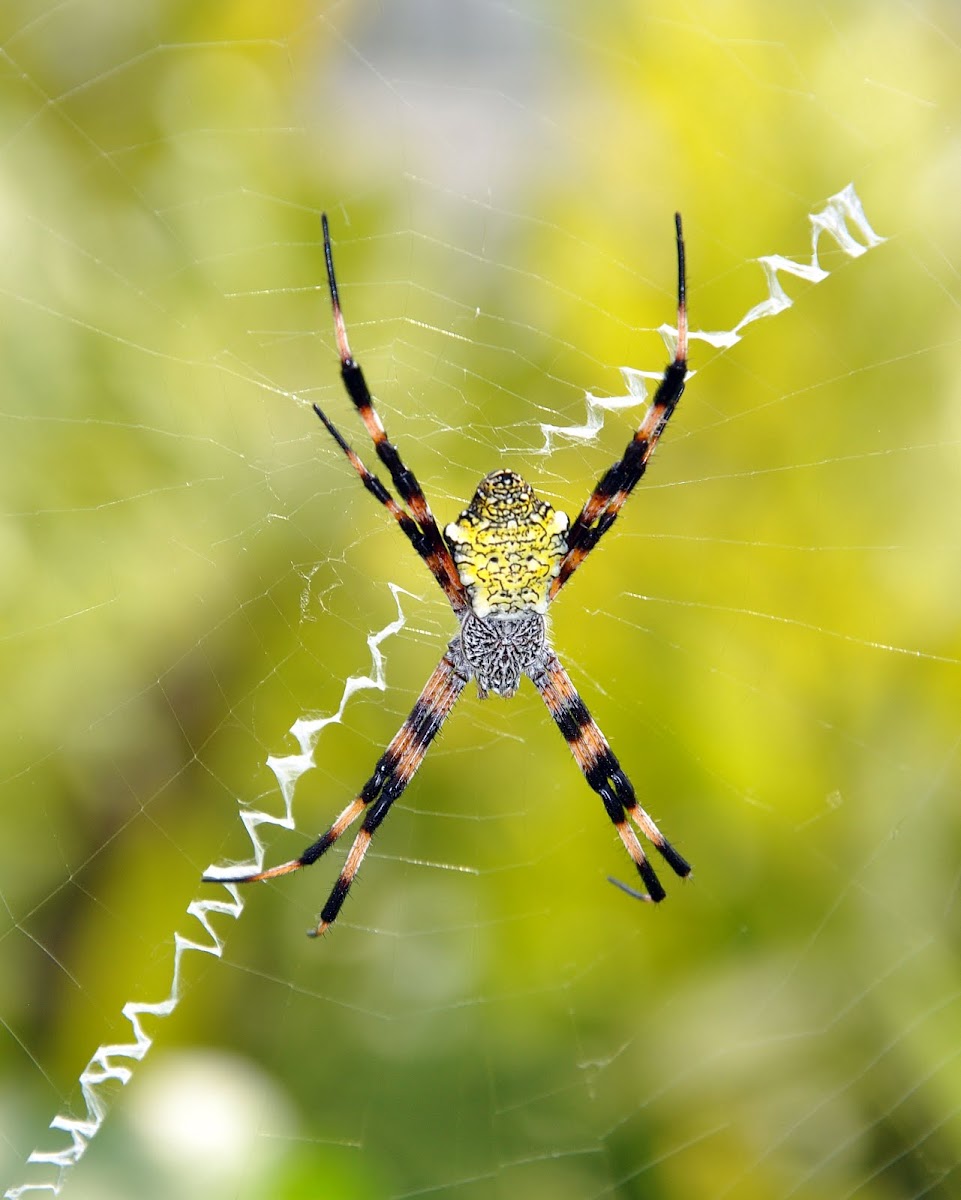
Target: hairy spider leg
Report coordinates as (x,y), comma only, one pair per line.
(394,771)
(604,774)
(403,518)
(617,483)
(404,480)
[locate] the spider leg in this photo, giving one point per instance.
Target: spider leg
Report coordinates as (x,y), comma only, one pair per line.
(617,483)
(406,522)
(604,774)
(394,771)
(435,552)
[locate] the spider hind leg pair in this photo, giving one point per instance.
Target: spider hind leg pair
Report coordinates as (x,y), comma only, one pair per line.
(500,565)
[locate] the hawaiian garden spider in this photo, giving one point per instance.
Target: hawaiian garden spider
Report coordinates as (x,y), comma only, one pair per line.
(500,564)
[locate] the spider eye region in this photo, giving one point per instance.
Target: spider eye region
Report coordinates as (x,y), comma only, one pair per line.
(507,546)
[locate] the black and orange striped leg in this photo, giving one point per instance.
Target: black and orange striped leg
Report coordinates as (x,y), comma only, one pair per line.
(617,483)
(457,596)
(604,774)
(438,555)
(394,771)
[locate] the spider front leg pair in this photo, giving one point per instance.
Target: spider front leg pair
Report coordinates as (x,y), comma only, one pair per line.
(500,565)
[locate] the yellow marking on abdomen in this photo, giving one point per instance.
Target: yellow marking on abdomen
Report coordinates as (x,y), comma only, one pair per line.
(507,546)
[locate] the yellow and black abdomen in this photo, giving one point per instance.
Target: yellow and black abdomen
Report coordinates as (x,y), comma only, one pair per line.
(507,546)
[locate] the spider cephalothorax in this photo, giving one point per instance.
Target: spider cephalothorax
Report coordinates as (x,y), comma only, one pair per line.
(500,564)
(498,651)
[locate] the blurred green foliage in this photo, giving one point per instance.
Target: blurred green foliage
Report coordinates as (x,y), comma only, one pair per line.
(770,639)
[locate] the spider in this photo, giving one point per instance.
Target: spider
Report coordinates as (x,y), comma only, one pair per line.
(500,565)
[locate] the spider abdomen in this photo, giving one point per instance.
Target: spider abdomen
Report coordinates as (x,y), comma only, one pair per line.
(507,546)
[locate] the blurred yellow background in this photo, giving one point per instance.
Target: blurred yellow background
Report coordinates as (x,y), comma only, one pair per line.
(769,638)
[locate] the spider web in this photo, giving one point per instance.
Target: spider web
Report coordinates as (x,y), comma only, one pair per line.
(769,638)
